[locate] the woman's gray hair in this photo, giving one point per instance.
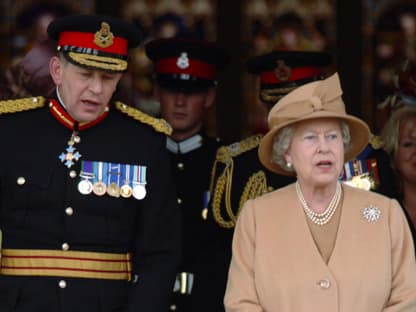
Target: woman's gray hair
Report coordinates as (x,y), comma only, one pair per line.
(283,139)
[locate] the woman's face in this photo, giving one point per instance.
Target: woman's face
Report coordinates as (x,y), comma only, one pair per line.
(405,161)
(317,151)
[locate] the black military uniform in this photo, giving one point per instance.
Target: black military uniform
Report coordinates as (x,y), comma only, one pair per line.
(189,67)
(239,174)
(87,209)
(371,170)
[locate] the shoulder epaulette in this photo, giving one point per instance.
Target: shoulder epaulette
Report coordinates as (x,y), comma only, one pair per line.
(21,105)
(226,153)
(376,142)
(159,124)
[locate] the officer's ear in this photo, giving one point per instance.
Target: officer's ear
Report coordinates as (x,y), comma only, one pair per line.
(210,97)
(55,69)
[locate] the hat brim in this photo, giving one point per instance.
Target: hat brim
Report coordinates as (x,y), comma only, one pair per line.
(359,131)
(192,85)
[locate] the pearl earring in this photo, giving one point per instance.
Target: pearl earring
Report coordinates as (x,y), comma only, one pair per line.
(288,165)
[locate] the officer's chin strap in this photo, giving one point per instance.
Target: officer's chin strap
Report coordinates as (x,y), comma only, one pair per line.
(59,98)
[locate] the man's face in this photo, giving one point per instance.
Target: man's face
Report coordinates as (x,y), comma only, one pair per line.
(84,92)
(185,112)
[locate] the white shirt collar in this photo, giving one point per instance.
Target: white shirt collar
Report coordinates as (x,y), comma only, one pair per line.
(184,146)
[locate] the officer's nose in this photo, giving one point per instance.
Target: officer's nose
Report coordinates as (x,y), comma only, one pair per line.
(96,85)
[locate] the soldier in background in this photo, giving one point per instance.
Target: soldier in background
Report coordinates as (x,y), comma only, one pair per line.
(185,74)
(238,173)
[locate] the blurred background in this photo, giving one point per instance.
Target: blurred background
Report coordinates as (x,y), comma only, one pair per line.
(370,41)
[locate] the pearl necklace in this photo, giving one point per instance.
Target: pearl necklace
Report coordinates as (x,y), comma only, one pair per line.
(324,217)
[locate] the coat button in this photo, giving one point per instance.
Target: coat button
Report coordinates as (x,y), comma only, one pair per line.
(21,180)
(69,211)
(324,283)
(180,166)
(73,174)
(65,246)
(179,200)
(172,307)
(62,284)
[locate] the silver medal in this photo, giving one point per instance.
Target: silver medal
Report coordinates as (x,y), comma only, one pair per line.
(85,187)
(139,191)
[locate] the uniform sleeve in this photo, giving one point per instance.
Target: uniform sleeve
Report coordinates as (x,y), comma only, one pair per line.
(403,292)
(157,247)
(241,294)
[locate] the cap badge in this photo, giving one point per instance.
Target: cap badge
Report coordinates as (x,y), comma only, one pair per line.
(282,71)
(104,37)
(183,61)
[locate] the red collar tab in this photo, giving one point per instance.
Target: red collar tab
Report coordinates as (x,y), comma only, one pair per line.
(283,74)
(185,65)
(64,118)
(87,43)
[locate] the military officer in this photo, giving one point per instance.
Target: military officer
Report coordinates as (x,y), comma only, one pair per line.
(239,175)
(185,75)
(87,209)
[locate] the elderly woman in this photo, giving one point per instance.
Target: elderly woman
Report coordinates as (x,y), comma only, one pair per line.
(319,245)
(399,136)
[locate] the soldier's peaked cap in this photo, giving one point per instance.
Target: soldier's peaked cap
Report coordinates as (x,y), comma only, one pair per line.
(282,71)
(95,41)
(185,63)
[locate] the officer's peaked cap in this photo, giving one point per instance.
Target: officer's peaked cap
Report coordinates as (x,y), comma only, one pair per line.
(95,41)
(282,71)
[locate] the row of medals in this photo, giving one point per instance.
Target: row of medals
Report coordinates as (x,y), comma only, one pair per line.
(99,188)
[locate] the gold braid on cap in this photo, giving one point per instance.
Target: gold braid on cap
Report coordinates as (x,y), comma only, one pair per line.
(20,105)
(159,124)
(273,95)
(224,181)
(96,61)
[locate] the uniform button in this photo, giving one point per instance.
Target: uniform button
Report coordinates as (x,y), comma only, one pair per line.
(180,166)
(73,174)
(179,200)
(21,180)
(65,246)
(324,283)
(69,211)
(62,284)
(172,307)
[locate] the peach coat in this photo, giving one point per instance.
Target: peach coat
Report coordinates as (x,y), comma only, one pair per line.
(276,266)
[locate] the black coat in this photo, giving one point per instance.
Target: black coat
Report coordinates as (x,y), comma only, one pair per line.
(385,182)
(32,216)
(192,171)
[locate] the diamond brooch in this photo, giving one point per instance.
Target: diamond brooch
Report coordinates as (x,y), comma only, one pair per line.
(371,213)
